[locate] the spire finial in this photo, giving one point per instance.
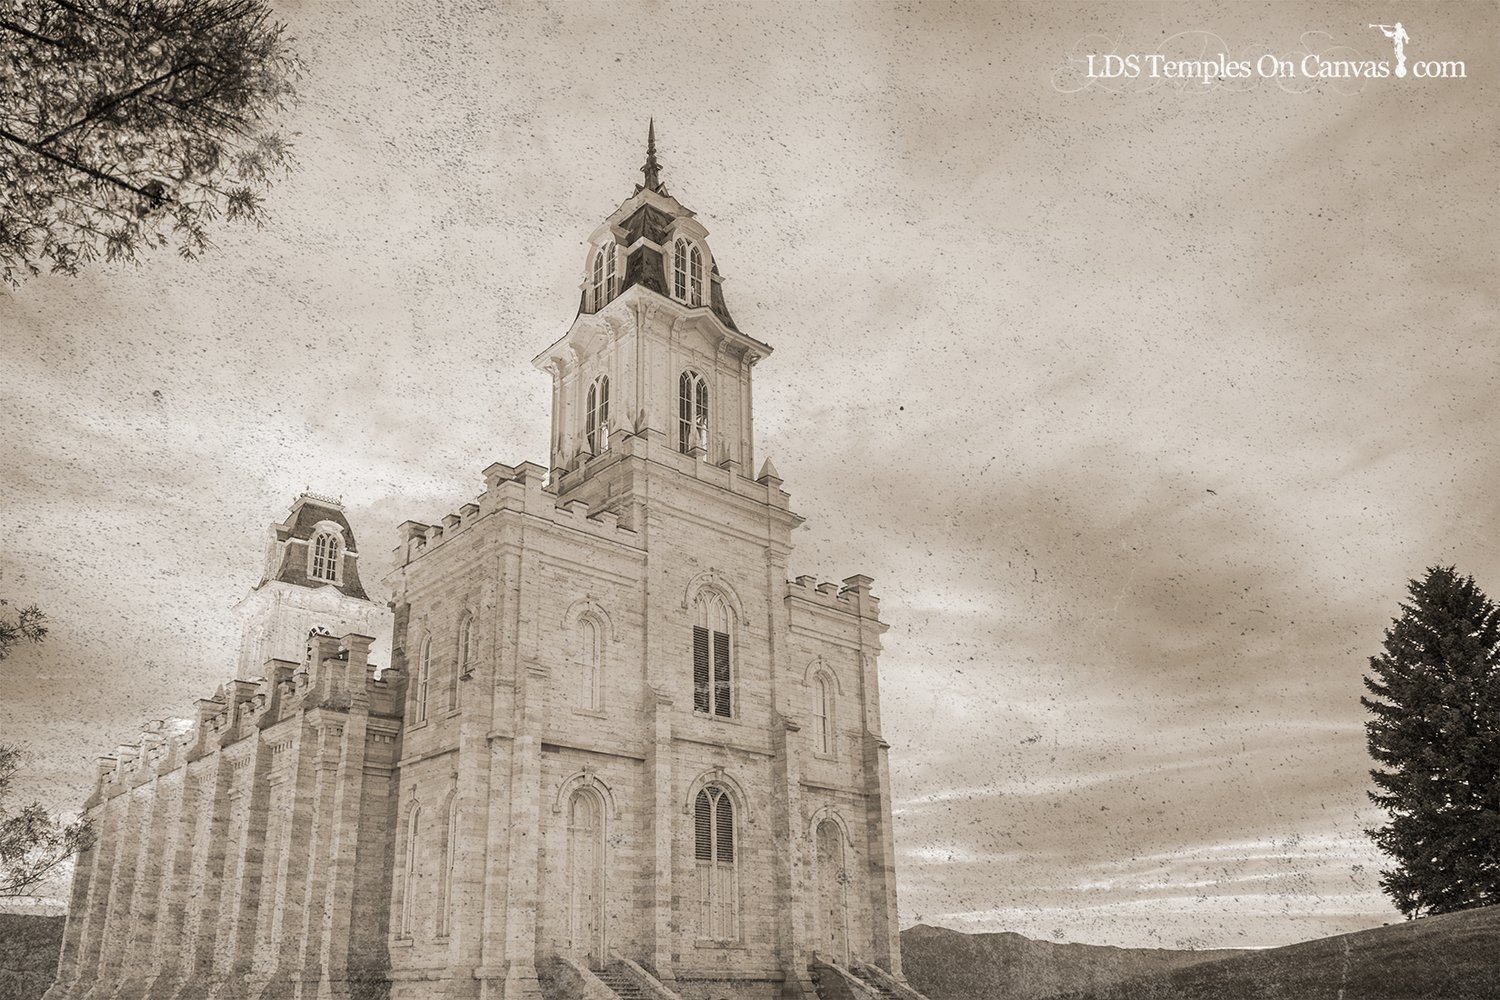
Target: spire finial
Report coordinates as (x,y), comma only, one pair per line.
(652,169)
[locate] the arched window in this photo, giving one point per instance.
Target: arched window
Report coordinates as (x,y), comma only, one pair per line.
(463,665)
(409,876)
(424,679)
(603,283)
(687,272)
(680,270)
(326,549)
(450,851)
(713,691)
(597,416)
(823,734)
(713,853)
(586,871)
(591,681)
(692,411)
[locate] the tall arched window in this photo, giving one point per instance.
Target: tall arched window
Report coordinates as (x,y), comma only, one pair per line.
(409,875)
(713,853)
(695,276)
(326,549)
(597,417)
(424,678)
(450,852)
(692,410)
(463,664)
(602,284)
(713,691)
(586,872)
(824,708)
(591,679)
(687,272)
(680,270)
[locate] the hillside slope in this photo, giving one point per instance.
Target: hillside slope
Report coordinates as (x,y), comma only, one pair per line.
(1452,957)
(951,965)
(28,954)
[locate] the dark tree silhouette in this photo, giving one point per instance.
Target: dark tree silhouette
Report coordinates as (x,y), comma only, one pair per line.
(33,844)
(29,625)
(1435,732)
(127,125)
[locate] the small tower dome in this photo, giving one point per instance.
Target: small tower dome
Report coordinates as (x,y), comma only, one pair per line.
(652,240)
(311,580)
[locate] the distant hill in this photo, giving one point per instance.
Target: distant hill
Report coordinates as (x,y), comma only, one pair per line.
(951,965)
(28,954)
(1452,957)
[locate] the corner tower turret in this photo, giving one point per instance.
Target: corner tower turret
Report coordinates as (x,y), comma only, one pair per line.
(311,580)
(653,347)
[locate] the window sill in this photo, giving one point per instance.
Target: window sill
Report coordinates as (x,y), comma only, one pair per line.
(710,944)
(709,716)
(821,755)
(413,727)
(401,941)
(592,713)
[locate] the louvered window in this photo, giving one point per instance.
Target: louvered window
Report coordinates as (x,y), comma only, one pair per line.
(721,674)
(713,674)
(713,853)
(701,672)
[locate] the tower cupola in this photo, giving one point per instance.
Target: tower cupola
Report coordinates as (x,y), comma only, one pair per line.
(653,346)
(311,580)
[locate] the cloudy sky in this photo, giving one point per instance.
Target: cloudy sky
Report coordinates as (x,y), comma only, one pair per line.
(1140,402)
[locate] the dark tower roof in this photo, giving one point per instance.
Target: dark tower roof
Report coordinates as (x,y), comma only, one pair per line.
(650,214)
(287,557)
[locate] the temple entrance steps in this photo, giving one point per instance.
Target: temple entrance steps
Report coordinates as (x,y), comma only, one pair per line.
(858,981)
(568,978)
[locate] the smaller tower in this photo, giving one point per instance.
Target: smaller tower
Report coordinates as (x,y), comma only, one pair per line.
(311,580)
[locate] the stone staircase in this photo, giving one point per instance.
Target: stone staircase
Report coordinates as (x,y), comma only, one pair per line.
(566,978)
(858,982)
(623,982)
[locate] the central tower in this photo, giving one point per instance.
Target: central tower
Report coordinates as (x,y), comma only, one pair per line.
(635,748)
(653,347)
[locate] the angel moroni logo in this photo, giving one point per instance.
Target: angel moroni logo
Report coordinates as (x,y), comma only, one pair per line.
(1398,36)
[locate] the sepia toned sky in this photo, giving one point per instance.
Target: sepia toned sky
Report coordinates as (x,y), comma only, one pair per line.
(1141,403)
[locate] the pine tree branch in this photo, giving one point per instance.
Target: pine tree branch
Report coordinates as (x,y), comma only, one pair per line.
(115,102)
(17,29)
(155,197)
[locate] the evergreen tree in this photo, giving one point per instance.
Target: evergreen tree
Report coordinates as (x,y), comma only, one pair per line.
(1435,698)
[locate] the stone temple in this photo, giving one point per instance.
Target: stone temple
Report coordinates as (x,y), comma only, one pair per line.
(613,747)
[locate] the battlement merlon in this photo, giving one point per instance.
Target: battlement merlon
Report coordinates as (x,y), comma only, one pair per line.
(853,596)
(520,488)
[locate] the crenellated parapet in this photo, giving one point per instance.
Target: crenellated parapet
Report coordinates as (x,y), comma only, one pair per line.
(198,827)
(521,489)
(852,597)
